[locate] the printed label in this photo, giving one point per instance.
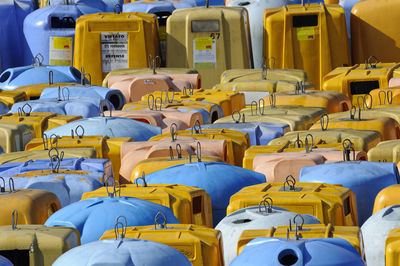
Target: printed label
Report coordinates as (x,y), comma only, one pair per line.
(305,34)
(60,51)
(204,53)
(114,51)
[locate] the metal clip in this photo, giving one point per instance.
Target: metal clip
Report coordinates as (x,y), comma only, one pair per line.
(123,225)
(79,136)
(196,127)
(266,201)
(160,216)
(291,182)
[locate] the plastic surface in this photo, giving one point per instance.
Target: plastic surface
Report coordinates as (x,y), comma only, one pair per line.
(392,247)
(108,126)
(225,34)
(375,231)
(122,252)
(67,185)
(350,233)
(303,37)
(387,197)
(255,8)
(34,205)
(36,244)
(50,31)
(329,203)
(14,137)
(86,214)
(15,50)
(5,262)
(365,179)
(201,245)
(77,106)
(219,180)
(235,223)
(94,35)
(190,205)
(279,251)
(115,97)
(104,5)
(372,34)
(260,133)
(13,78)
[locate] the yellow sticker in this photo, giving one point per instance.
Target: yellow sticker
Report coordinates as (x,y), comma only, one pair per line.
(205,43)
(62,43)
(305,34)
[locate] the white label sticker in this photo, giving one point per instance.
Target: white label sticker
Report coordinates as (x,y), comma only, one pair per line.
(60,52)
(204,53)
(114,51)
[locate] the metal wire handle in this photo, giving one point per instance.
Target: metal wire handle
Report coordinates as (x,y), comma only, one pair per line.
(160,216)
(143,178)
(266,201)
(123,225)
(174,132)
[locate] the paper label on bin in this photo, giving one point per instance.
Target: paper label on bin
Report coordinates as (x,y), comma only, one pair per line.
(305,34)
(114,51)
(60,52)
(204,53)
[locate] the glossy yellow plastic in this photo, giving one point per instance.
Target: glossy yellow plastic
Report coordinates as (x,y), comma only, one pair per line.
(11,97)
(333,102)
(106,147)
(237,141)
(392,247)
(132,71)
(229,101)
(273,74)
(391,112)
(360,79)
(138,32)
(34,91)
(222,32)
(312,37)
(34,206)
(191,205)
(201,245)
(363,140)
(329,203)
(39,121)
(387,197)
(152,165)
(385,151)
(14,137)
(350,233)
(388,128)
(37,245)
(23,156)
(373,31)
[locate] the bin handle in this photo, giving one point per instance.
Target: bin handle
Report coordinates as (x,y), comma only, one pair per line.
(197,127)
(14,219)
(11,184)
(347,149)
(123,225)
(198,151)
(266,201)
(233,116)
(384,97)
(51,77)
(299,227)
(37,60)
(152,102)
(251,107)
(155,103)
(63,94)
(372,65)
(298,142)
(174,132)
(291,182)
(308,148)
(22,112)
(261,111)
(160,216)
(117,9)
(365,101)
(389,94)
(55,137)
(3,187)
(324,126)
(143,178)
(272,100)
(79,136)
(167,99)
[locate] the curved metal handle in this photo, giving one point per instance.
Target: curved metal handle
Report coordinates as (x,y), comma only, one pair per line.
(65,89)
(261,111)
(365,101)
(308,148)
(155,103)
(143,178)
(198,151)
(28,112)
(174,132)
(117,9)
(152,102)
(196,127)
(11,184)
(300,227)
(123,225)
(347,149)
(160,216)
(178,149)
(324,126)
(291,182)
(233,116)
(38,60)
(384,97)
(167,99)
(272,100)
(389,94)
(370,63)
(298,142)
(3,187)
(266,201)
(79,136)
(51,77)
(14,219)
(251,107)
(45,141)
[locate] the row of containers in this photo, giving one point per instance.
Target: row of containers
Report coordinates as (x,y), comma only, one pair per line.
(309,36)
(146,174)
